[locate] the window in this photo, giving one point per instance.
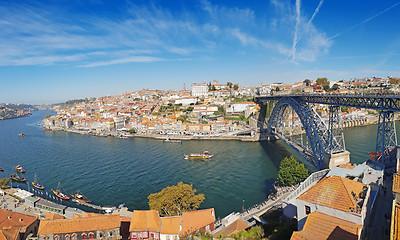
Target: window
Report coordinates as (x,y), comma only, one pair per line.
(111,233)
(84,236)
(67,237)
(57,237)
(101,234)
(133,235)
(91,235)
(308,210)
(74,236)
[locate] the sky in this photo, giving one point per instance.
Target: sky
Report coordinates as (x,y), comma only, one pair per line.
(55,50)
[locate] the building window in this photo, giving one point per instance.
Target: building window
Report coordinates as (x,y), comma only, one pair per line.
(111,233)
(101,234)
(57,237)
(308,210)
(84,236)
(91,235)
(67,237)
(74,236)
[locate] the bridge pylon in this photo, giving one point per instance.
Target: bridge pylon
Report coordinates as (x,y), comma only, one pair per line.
(386,138)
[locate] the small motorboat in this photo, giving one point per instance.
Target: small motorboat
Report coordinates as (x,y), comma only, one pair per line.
(21,134)
(172,141)
(59,194)
(1,169)
(19,169)
(36,185)
(80,198)
(17,178)
(205,155)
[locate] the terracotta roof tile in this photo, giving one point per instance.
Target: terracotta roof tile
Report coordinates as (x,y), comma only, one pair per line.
(11,233)
(194,220)
(53,216)
(321,226)
(145,220)
(395,223)
(82,224)
(334,192)
(170,225)
(14,219)
(233,228)
(396,182)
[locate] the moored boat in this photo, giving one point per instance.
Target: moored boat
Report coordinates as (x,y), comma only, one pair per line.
(36,185)
(19,169)
(205,155)
(80,198)
(59,194)
(2,169)
(21,134)
(17,178)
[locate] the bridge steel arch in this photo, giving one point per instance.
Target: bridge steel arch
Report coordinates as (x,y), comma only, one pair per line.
(317,132)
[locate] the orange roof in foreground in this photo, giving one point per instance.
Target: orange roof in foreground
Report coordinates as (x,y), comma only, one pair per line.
(395,223)
(321,226)
(12,219)
(334,192)
(170,225)
(145,220)
(233,228)
(194,220)
(396,183)
(82,224)
(10,233)
(53,216)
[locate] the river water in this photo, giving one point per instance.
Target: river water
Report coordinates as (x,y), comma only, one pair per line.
(112,171)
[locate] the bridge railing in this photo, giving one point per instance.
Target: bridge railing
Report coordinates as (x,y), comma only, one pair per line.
(316,176)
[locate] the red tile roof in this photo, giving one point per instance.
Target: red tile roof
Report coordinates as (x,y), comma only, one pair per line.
(145,220)
(334,192)
(320,226)
(194,220)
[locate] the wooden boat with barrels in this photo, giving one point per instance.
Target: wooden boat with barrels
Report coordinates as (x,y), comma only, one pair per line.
(80,198)
(36,185)
(19,169)
(59,194)
(17,178)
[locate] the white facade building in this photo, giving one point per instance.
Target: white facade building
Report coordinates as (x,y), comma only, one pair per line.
(199,89)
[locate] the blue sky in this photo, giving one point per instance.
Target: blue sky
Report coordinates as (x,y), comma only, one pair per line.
(52,51)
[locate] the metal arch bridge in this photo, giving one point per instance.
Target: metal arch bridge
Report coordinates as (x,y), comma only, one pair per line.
(328,138)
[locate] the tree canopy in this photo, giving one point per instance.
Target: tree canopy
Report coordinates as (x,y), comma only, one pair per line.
(292,171)
(173,200)
(307,82)
(323,82)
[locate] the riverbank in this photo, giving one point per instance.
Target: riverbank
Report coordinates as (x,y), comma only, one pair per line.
(254,138)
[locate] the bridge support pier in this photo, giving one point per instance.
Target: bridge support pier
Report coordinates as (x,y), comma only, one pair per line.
(332,160)
(386,138)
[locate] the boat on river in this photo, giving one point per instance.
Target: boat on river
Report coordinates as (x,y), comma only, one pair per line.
(36,185)
(205,155)
(1,169)
(59,194)
(19,169)
(172,140)
(80,198)
(17,178)
(21,134)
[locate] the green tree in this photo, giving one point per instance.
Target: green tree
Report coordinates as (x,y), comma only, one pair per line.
(335,87)
(173,200)
(291,171)
(132,130)
(307,82)
(322,81)
(277,89)
(235,87)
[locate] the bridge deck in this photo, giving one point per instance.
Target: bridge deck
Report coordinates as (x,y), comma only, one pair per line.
(377,102)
